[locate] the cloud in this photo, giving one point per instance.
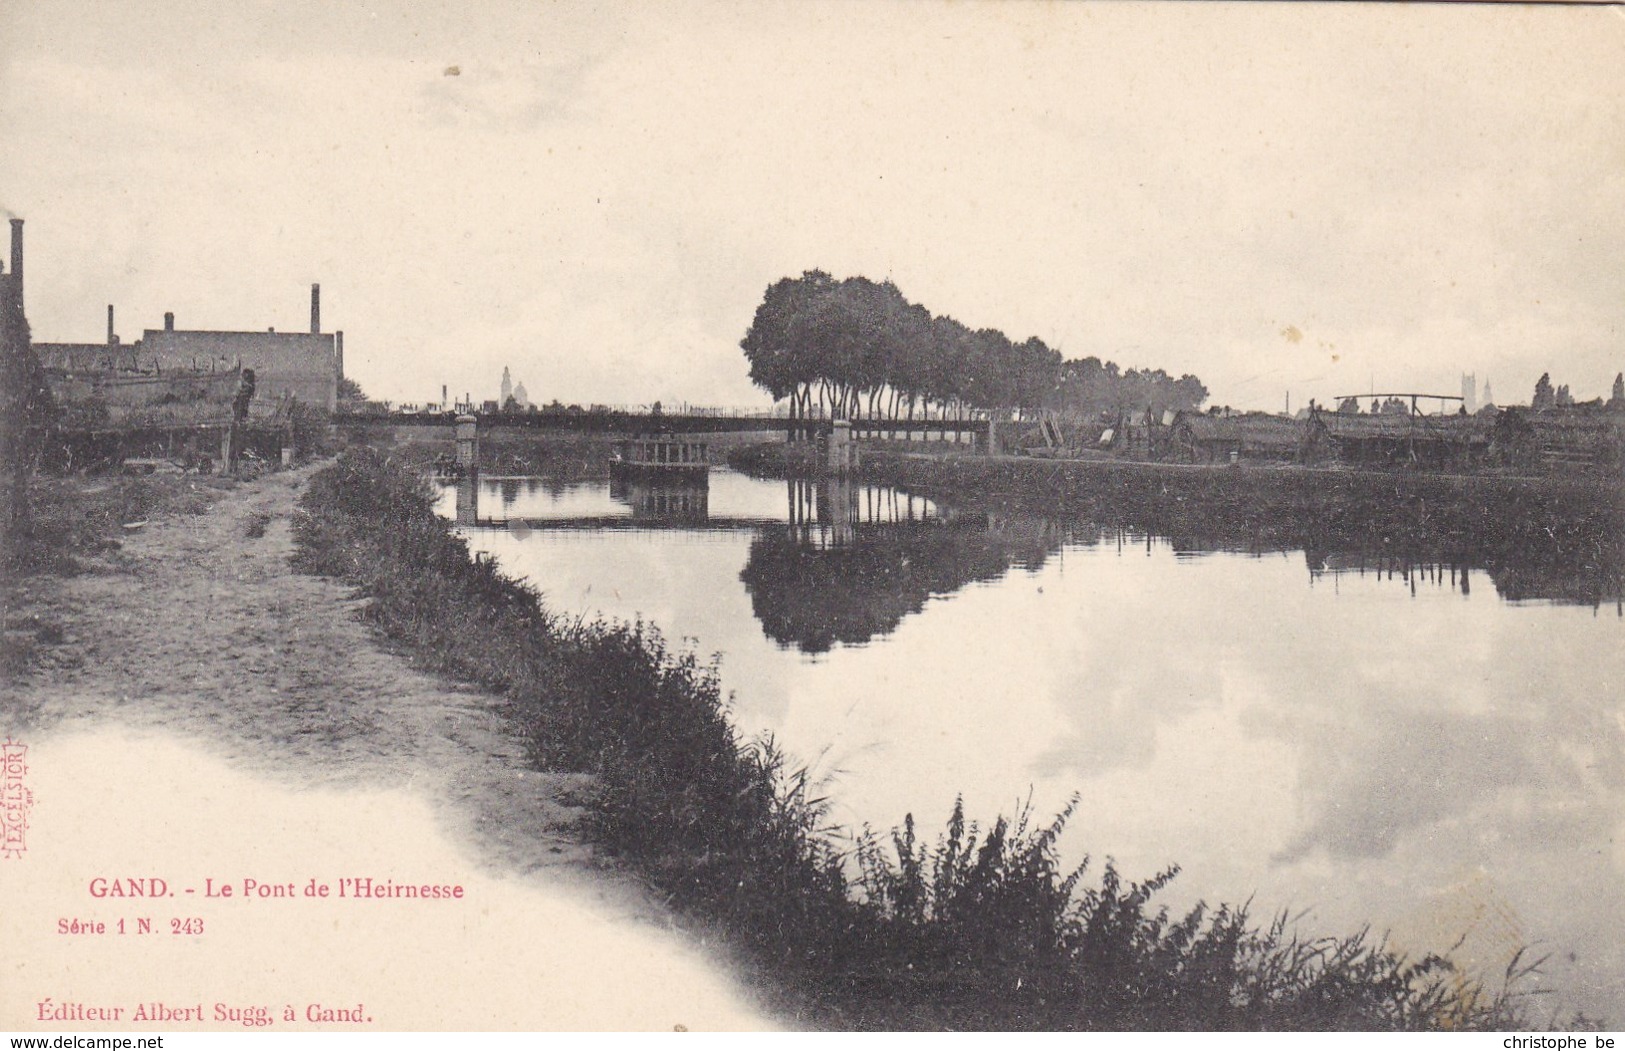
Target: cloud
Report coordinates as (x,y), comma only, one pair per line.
(1427,190)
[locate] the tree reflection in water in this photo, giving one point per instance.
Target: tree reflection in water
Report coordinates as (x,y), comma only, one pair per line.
(854,561)
(1536,577)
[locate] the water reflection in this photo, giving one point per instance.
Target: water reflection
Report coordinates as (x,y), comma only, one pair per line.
(827,512)
(842,562)
(681,499)
(1412,572)
(1399,737)
(853,561)
(1535,579)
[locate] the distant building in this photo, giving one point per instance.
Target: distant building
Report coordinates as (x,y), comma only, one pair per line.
(1469,390)
(520,398)
(507,387)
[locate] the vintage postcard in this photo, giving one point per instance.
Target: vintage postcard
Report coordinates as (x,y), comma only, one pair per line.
(812,516)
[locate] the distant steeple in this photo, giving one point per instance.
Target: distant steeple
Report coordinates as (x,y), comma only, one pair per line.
(507,387)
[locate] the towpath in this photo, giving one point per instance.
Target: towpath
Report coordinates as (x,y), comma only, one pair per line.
(198,631)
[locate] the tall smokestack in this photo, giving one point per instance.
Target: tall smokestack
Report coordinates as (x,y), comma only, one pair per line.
(338,342)
(315,309)
(111,338)
(17,258)
(169,321)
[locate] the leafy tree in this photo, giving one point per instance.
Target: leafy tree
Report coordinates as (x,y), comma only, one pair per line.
(1512,440)
(1544,398)
(858,346)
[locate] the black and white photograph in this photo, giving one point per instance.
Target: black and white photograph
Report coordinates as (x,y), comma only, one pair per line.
(811,517)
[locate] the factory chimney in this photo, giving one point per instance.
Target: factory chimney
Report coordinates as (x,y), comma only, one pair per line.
(17,259)
(338,344)
(111,338)
(315,309)
(169,321)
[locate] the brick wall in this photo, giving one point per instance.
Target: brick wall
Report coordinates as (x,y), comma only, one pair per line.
(301,363)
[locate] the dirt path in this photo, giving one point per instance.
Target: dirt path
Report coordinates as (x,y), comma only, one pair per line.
(197,638)
(199,628)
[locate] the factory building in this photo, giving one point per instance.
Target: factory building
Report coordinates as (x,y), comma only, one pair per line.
(11,285)
(305,366)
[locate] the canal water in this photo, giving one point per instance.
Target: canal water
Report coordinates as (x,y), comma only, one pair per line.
(1435,751)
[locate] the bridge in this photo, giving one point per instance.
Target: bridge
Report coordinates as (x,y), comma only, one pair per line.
(656,441)
(630,424)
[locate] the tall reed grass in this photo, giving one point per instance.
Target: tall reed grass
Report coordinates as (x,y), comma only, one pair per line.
(976,927)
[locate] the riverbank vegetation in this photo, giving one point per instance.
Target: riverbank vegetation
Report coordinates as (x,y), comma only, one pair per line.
(1568,528)
(78,518)
(74,526)
(1561,536)
(976,926)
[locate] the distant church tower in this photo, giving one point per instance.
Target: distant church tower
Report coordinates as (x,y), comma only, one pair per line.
(507,388)
(1469,390)
(1489,399)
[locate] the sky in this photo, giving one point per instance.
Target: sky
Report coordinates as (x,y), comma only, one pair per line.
(1284,199)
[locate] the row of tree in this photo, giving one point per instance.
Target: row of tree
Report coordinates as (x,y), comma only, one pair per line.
(1389,407)
(858,348)
(1546,398)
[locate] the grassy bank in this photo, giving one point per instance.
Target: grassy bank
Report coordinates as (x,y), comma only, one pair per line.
(1559,526)
(78,518)
(974,926)
(73,522)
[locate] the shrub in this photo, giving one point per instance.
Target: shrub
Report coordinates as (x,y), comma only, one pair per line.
(985,928)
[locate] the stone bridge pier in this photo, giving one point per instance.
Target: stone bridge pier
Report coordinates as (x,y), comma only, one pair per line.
(468,445)
(840,451)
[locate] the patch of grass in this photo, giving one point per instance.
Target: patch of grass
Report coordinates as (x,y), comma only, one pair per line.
(24,635)
(80,517)
(981,927)
(257,523)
